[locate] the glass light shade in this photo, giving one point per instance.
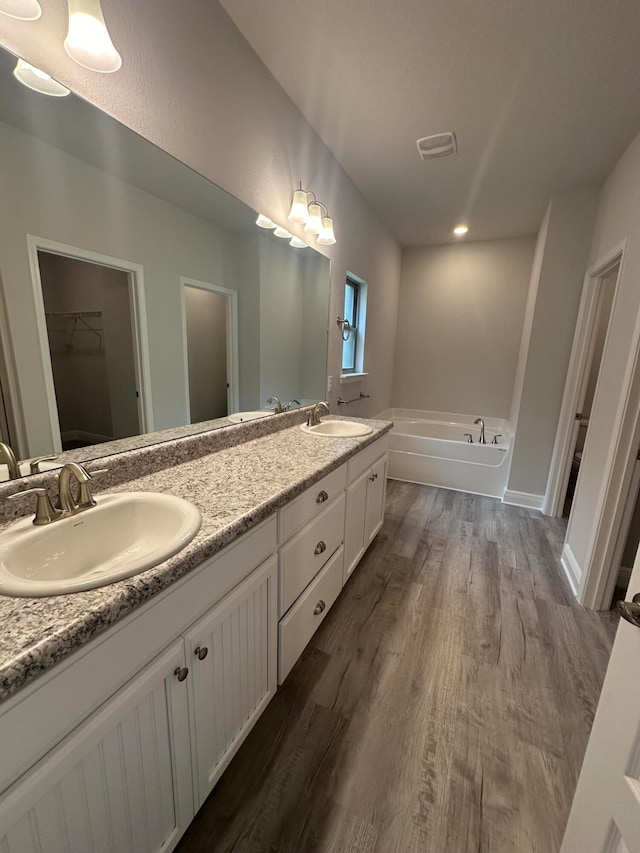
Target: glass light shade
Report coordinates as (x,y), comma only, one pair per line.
(23,10)
(264,222)
(299,211)
(282,232)
(297,243)
(88,41)
(460,230)
(38,80)
(314,222)
(326,237)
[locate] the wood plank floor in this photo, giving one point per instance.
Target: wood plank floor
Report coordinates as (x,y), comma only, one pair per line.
(444,704)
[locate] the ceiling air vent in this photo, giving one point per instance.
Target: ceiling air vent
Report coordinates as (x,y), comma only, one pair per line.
(439,145)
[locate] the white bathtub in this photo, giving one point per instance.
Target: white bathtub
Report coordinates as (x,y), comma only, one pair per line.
(431,448)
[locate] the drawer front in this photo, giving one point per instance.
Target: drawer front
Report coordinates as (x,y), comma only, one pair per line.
(304,618)
(303,556)
(310,503)
(363,460)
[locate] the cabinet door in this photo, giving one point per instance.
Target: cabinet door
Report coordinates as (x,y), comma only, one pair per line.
(354,541)
(232,654)
(121,781)
(376,494)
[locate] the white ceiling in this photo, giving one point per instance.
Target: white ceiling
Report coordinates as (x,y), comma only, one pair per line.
(543,95)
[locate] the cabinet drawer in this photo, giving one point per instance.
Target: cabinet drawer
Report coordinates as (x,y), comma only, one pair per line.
(302,621)
(363,460)
(303,556)
(310,503)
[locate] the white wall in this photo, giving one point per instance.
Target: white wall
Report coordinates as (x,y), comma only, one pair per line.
(459,326)
(191,84)
(206,324)
(567,231)
(618,219)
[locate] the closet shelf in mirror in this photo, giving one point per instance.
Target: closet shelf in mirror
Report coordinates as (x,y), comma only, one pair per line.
(79,317)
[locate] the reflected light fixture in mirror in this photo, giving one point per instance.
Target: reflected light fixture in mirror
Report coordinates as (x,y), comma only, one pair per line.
(282,232)
(23,10)
(88,41)
(297,243)
(38,80)
(264,222)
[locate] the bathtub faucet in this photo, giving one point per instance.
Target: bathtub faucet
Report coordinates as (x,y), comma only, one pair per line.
(481,440)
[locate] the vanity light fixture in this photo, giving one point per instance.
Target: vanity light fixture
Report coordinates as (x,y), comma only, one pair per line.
(282,232)
(326,237)
(459,230)
(88,41)
(23,10)
(313,214)
(264,222)
(38,80)
(297,243)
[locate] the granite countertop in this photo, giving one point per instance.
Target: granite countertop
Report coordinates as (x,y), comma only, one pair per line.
(234,489)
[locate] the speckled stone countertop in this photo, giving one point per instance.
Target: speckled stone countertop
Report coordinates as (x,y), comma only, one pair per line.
(234,488)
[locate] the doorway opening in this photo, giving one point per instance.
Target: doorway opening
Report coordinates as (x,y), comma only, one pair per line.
(93,344)
(210,338)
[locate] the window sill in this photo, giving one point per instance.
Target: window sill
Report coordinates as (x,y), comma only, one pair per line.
(352,377)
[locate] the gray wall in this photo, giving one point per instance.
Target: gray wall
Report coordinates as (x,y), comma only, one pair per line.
(233,123)
(618,219)
(567,236)
(459,325)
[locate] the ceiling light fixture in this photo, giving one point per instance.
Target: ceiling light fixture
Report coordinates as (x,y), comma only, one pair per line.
(88,41)
(23,10)
(459,230)
(38,80)
(264,222)
(313,215)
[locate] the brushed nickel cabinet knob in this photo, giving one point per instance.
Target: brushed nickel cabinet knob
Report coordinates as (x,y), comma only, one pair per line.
(320,548)
(181,672)
(201,652)
(322,497)
(320,606)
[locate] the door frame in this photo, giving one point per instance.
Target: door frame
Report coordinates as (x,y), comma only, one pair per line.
(231,296)
(577,377)
(137,302)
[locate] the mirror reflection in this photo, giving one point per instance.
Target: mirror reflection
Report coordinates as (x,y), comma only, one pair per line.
(140,301)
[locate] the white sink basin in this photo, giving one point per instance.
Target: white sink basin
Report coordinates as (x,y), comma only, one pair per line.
(337,429)
(119,537)
(241,417)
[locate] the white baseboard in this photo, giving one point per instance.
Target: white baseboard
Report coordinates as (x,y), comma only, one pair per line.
(524,499)
(571,569)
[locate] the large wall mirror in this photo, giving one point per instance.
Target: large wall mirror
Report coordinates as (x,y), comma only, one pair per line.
(137,296)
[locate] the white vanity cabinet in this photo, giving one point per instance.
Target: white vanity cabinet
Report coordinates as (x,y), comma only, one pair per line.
(132,774)
(121,781)
(366,494)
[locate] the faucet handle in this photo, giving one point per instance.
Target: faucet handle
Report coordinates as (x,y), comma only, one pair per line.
(495,438)
(45,513)
(34,464)
(85,498)
(469,438)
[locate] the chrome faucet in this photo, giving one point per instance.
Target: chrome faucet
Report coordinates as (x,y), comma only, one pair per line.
(8,457)
(314,414)
(481,440)
(68,504)
(278,408)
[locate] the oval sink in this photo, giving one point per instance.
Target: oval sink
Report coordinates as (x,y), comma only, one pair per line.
(119,537)
(337,429)
(241,417)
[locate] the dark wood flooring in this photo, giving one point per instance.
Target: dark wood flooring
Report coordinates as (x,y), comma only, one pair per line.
(444,704)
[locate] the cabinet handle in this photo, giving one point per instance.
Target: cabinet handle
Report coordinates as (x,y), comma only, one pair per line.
(320,547)
(322,497)
(320,606)
(375,476)
(372,478)
(181,672)
(201,652)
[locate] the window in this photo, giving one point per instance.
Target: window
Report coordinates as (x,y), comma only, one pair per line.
(355,306)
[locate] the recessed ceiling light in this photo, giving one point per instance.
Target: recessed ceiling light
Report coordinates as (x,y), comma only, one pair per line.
(459,230)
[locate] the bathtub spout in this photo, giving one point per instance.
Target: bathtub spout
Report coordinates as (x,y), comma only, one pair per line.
(481,440)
